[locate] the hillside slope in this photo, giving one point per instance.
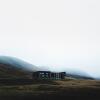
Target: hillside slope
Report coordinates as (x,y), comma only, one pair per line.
(8,71)
(11,67)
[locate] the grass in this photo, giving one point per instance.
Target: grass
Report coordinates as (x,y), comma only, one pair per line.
(71,89)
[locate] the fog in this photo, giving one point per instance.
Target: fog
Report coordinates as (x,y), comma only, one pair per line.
(57,34)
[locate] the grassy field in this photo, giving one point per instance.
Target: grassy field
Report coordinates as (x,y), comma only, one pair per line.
(50,90)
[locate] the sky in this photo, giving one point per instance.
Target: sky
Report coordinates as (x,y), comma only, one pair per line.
(57,34)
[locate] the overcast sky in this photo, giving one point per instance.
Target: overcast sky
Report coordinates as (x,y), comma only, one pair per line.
(60,34)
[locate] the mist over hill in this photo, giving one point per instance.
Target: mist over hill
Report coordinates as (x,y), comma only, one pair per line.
(15,62)
(11,67)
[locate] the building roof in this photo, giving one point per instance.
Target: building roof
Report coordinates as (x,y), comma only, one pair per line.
(49,72)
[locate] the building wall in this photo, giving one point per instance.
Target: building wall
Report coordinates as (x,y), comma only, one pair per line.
(48,75)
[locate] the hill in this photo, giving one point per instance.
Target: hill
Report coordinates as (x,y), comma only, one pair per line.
(77,76)
(11,67)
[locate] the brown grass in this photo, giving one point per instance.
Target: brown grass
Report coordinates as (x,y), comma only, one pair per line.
(62,88)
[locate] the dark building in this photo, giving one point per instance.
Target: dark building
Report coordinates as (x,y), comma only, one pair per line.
(48,75)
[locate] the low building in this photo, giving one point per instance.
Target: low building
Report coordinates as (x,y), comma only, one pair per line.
(48,75)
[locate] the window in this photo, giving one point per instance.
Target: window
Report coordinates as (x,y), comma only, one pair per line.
(46,75)
(41,73)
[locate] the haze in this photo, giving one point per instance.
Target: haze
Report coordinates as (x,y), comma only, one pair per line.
(58,34)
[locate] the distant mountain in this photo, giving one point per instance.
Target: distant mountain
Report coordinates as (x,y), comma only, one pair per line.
(77,74)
